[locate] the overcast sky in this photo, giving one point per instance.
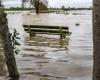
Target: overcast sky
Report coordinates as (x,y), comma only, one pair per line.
(54,3)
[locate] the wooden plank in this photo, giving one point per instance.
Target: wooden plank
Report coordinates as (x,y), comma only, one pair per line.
(49,33)
(46,30)
(45,26)
(43,29)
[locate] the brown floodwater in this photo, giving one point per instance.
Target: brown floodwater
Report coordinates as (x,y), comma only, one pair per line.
(46,57)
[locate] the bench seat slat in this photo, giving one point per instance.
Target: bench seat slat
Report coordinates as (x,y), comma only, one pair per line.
(47,31)
(50,33)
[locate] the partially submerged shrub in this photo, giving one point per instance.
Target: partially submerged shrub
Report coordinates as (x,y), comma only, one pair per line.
(15,43)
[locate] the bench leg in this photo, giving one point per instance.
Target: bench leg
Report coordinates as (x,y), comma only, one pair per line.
(33,34)
(62,36)
(30,33)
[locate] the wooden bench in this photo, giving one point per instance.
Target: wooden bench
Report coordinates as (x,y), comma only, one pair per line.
(44,29)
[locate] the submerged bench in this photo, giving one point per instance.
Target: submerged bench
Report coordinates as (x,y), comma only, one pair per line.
(45,29)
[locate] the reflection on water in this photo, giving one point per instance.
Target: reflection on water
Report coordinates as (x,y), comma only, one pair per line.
(47,41)
(44,78)
(62,43)
(14,79)
(39,46)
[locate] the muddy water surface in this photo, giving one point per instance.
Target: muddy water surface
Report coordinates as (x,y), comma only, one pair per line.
(46,57)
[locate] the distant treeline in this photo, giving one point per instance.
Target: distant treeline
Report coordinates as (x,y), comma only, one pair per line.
(69,8)
(51,8)
(17,9)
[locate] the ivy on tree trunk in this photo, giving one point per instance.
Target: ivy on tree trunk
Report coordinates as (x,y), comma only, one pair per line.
(7,46)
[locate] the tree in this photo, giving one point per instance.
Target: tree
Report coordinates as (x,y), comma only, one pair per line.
(63,8)
(96,40)
(38,4)
(7,45)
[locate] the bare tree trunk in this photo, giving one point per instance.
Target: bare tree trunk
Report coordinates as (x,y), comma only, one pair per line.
(36,5)
(96,39)
(37,9)
(7,46)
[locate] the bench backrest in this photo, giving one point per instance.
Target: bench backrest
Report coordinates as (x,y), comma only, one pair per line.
(45,29)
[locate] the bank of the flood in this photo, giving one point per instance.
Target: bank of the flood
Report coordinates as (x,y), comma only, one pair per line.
(42,58)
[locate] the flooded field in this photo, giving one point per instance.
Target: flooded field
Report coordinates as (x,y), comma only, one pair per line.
(46,57)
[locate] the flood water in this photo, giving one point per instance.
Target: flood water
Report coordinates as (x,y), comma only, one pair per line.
(46,57)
